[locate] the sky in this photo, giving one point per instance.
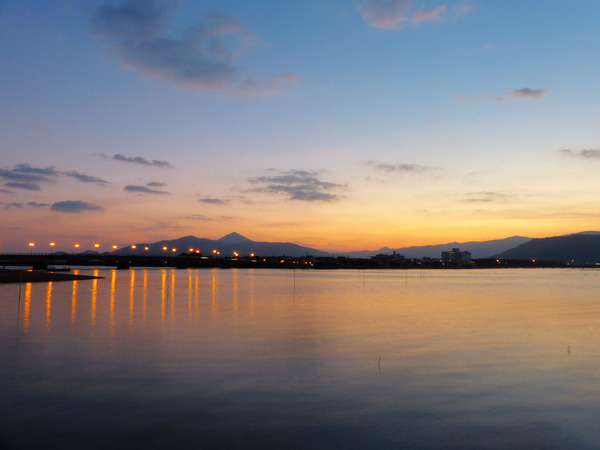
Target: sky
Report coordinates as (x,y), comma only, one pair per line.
(336,124)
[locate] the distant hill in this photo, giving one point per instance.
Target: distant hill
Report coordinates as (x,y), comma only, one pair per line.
(483,249)
(580,248)
(226,245)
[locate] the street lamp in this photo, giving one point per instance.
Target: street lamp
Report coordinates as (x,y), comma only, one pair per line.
(173,250)
(31,245)
(52,244)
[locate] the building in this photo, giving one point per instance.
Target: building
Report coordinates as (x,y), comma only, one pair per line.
(456,257)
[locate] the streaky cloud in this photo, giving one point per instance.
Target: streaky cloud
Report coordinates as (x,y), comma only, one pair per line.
(140,160)
(86,178)
(6,191)
(212,201)
(26,186)
(156,184)
(485,197)
(391,14)
(27,173)
(198,217)
(13,205)
(589,154)
(144,190)
(398,167)
(38,205)
(529,94)
(201,57)
(518,94)
(298,185)
(27,168)
(75,206)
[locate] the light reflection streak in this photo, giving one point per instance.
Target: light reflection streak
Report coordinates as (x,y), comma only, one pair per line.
(113,282)
(94,299)
(197,294)
(163,303)
(173,271)
(252,290)
(190,292)
(48,304)
(235,290)
(145,297)
(27,309)
(215,288)
(131,295)
(74,302)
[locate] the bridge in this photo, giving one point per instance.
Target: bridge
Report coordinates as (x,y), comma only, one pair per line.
(47,261)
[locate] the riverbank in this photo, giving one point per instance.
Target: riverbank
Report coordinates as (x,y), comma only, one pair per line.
(28,276)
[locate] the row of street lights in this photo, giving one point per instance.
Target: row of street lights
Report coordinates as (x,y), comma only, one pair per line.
(134,247)
(31,245)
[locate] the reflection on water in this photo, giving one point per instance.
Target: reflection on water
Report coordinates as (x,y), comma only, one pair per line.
(165,358)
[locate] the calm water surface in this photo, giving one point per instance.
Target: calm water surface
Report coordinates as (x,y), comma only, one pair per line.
(308,359)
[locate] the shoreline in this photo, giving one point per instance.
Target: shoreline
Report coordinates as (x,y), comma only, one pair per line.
(28,276)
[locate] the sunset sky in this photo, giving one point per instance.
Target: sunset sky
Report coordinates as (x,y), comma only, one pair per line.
(336,124)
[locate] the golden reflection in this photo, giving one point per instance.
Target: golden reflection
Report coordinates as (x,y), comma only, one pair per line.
(197,293)
(94,299)
(163,303)
(173,271)
(251,289)
(48,304)
(145,297)
(131,295)
(190,291)
(235,289)
(27,311)
(113,283)
(215,289)
(74,301)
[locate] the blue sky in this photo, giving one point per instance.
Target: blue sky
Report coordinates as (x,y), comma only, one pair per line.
(343,124)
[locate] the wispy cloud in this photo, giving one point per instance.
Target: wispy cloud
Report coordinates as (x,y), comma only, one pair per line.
(198,217)
(399,168)
(38,205)
(589,154)
(28,173)
(25,185)
(485,197)
(518,94)
(156,184)
(6,191)
(212,201)
(391,14)
(201,57)
(144,190)
(138,160)
(529,94)
(86,178)
(13,205)
(298,185)
(75,206)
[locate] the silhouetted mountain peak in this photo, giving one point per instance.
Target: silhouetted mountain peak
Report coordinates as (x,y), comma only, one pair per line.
(233,238)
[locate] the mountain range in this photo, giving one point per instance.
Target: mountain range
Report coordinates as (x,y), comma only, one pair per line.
(579,248)
(226,245)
